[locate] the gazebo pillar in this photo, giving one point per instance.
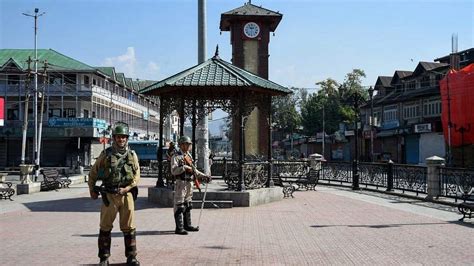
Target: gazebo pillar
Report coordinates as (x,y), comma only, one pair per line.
(181,118)
(241,186)
(269,156)
(193,124)
(160,182)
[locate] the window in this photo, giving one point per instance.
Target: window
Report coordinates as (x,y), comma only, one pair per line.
(86,113)
(425,81)
(390,113)
(55,79)
(55,112)
(69,112)
(410,85)
(13,79)
(86,80)
(13,114)
(70,78)
(411,111)
(432,107)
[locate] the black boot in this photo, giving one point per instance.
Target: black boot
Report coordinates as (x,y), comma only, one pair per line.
(104,247)
(131,247)
(187,218)
(178,218)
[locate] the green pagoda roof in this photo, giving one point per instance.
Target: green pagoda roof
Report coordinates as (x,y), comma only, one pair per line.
(216,72)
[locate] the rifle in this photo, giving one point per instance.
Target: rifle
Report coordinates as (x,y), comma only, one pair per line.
(102,190)
(189,162)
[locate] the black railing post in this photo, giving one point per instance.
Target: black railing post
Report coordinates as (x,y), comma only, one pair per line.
(224,174)
(390,176)
(355,163)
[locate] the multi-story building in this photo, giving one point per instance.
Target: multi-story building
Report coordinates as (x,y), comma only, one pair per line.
(80,104)
(407,113)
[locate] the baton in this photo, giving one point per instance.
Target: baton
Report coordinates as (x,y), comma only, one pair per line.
(202,204)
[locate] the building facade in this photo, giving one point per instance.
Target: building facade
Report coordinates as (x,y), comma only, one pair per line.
(80,105)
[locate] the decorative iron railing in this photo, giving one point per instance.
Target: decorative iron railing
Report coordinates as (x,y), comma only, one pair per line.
(337,171)
(373,174)
(255,175)
(457,183)
(289,168)
(410,178)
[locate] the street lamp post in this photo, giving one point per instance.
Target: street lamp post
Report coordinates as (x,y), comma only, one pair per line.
(35,100)
(324,124)
(355,163)
(371,121)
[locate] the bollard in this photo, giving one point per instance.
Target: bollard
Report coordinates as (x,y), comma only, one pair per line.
(433,178)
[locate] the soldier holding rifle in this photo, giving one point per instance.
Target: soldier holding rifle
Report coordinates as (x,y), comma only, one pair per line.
(118,168)
(185,173)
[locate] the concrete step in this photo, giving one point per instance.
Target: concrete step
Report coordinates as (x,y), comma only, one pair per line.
(212,204)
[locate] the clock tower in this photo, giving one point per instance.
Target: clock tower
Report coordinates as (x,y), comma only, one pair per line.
(250,28)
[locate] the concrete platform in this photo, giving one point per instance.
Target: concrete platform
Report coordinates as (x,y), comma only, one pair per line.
(218,194)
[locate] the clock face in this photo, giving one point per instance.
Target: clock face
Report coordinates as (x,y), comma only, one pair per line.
(251,30)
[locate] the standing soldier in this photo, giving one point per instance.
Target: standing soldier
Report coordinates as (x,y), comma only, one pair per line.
(184,171)
(118,168)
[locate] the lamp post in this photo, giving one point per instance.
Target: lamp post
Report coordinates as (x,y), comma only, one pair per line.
(371,121)
(355,170)
(325,95)
(35,100)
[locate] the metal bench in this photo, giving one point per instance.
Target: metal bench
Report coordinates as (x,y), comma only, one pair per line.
(6,190)
(52,179)
(466,209)
(308,181)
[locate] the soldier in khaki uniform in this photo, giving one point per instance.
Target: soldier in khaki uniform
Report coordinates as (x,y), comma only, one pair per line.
(184,172)
(119,170)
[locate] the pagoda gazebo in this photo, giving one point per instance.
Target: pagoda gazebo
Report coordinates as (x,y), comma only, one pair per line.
(213,84)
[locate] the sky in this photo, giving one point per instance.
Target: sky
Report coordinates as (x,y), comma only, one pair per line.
(316,39)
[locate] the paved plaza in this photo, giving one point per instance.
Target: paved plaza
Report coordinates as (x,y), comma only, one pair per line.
(329,226)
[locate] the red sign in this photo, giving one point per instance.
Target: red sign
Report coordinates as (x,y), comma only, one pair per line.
(2,115)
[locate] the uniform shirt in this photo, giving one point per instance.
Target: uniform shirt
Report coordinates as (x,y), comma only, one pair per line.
(99,165)
(177,165)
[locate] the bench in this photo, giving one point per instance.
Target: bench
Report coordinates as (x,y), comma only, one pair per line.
(466,209)
(52,179)
(6,190)
(290,183)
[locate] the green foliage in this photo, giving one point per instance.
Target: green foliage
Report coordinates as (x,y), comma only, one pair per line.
(284,111)
(337,100)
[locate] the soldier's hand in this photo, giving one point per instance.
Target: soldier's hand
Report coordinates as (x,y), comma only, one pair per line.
(94,195)
(207,178)
(123,190)
(188,168)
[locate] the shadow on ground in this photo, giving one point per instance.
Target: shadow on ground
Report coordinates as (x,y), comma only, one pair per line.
(83,204)
(139,233)
(383,226)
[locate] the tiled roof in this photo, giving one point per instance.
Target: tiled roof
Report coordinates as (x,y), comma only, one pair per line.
(109,71)
(398,75)
(428,66)
(216,72)
(250,10)
(56,60)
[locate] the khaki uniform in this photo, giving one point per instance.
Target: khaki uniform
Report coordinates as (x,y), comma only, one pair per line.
(183,192)
(123,204)
(183,189)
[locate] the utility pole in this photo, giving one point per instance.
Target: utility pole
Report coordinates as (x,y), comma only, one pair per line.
(40,129)
(35,100)
(203,125)
(25,113)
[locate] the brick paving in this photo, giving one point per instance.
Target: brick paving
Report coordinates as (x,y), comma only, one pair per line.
(331,226)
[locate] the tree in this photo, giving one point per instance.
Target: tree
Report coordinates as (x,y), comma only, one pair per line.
(284,111)
(337,100)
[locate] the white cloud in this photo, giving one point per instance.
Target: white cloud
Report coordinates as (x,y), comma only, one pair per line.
(131,66)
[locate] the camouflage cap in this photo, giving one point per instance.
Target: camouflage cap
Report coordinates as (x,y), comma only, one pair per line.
(184,139)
